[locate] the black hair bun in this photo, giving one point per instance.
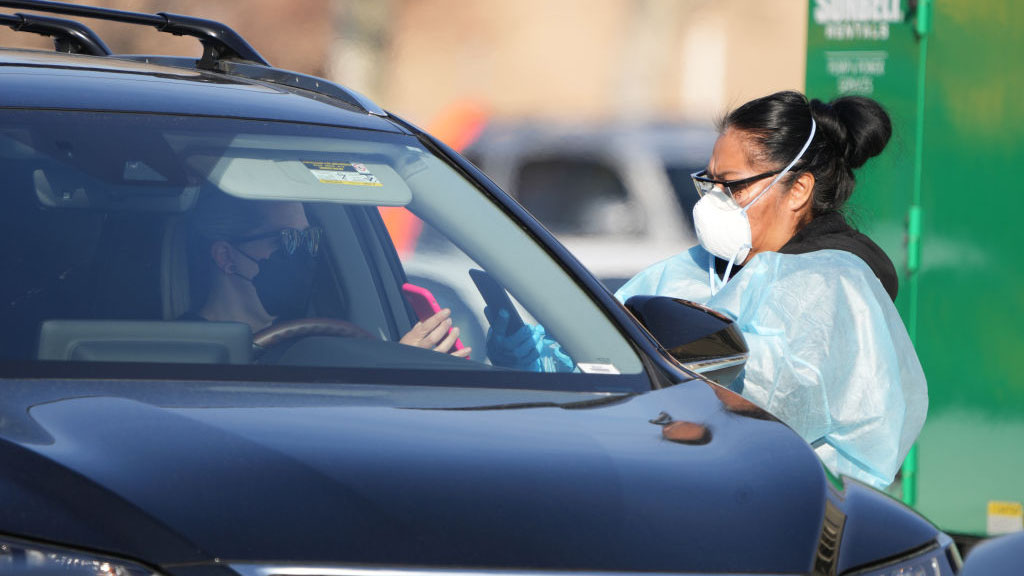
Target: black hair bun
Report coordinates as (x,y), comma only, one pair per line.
(859,126)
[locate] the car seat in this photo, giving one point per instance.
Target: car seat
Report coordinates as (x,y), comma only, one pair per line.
(145,254)
(45,261)
(145,341)
(175,291)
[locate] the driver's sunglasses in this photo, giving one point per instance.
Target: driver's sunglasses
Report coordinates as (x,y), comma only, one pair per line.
(292,239)
(705,185)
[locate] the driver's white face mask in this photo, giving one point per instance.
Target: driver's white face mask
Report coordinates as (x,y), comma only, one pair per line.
(722,226)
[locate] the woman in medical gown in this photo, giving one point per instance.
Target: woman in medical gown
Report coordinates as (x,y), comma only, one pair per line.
(829,354)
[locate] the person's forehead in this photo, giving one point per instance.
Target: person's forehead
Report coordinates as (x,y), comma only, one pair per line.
(732,157)
(729,158)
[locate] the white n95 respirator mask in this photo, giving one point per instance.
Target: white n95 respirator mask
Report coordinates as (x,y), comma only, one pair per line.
(722,226)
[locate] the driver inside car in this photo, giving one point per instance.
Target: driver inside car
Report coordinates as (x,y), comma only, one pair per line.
(253,262)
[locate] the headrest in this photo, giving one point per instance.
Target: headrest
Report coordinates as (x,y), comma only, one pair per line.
(145,341)
(174,264)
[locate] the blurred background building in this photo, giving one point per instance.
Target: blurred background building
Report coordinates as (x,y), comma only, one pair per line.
(573,60)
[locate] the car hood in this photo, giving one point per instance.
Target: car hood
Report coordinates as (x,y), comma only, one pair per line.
(337,475)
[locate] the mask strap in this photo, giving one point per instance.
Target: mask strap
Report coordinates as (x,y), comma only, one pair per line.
(713,280)
(814,127)
(728,268)
(246,254)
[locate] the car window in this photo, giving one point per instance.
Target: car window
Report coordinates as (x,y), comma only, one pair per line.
(576,196)
(135,239)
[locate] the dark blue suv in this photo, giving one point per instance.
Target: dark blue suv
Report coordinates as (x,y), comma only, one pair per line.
(171,406)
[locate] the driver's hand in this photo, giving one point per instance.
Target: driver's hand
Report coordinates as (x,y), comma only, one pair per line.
(436,333)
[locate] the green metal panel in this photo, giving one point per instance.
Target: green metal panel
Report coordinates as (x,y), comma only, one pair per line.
(959,127)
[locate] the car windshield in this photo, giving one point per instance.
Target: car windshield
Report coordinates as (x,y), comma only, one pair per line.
(155,244)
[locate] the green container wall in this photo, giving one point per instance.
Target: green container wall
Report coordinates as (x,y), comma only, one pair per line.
(965,304)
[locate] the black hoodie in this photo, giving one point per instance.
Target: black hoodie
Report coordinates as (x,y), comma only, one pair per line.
(831,232)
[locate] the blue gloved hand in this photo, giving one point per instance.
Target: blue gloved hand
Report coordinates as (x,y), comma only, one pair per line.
(527,348)
(521,349)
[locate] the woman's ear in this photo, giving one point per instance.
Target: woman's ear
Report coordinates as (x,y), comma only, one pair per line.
(801,193)
(223,257)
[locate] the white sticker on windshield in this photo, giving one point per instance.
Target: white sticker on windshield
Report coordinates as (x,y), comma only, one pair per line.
(353,174)
(595,368)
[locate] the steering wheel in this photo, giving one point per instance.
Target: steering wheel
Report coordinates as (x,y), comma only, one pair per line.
(283,332)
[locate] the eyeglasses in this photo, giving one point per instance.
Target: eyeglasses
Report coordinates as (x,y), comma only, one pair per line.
(292,239)
(704,185)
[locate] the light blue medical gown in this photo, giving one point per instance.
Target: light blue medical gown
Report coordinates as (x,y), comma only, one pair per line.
(829,354)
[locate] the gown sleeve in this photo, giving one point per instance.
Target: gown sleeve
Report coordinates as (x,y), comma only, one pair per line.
(684,275)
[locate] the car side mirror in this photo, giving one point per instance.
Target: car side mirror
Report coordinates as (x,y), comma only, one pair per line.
(701,339)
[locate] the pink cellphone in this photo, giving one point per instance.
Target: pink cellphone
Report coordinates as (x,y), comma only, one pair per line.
(425,305)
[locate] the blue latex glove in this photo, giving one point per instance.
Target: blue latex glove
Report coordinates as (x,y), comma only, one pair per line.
(527,348)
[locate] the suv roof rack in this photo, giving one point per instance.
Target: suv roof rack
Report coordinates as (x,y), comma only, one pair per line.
(68,36)
(304,82)
(219,41)
(223,49)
